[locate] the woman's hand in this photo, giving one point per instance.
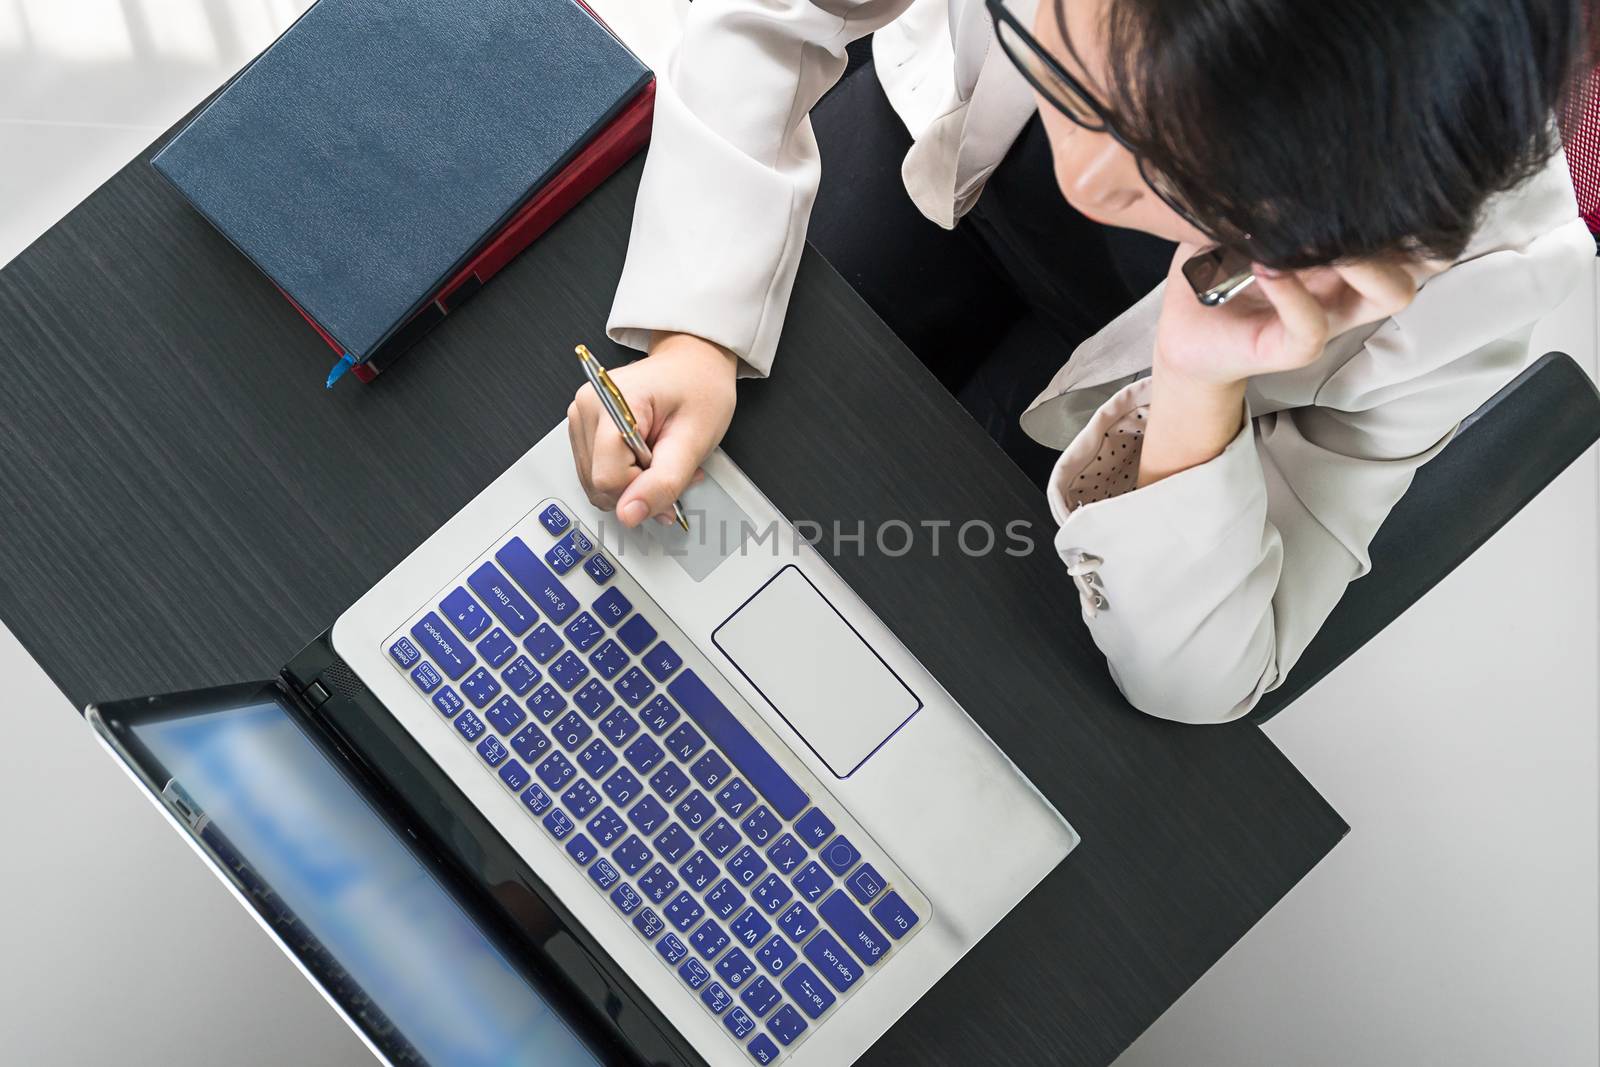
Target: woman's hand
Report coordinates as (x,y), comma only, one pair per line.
(1204,355)
(682,395)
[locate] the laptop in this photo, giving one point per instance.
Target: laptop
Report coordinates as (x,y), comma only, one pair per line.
(558,792)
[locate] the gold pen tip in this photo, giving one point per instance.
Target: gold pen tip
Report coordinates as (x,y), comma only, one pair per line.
(583,352)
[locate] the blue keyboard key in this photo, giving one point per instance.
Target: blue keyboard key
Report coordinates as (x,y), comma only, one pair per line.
(669,782)
(786,1024)
(812,881)
(492,751)
(762,1050)
(695,809)
(577,543)
(622,787)
(634,686)
(618,726)
(508,605)
(520,675)
(542,587)
(554,519)
(611,607)
(761,826)
(659,714)
(857,931)
(657,883)
(648,923)
(536,800)
(709,940)
(807,990)
(603,874)
(647,815)
(606,827)
(592,698)
(673,843)
(580,799)
(448,701)
(746,865)
(720,837)
(583,632)
(555,771)
(542,643)
(608,659)
(671,949)
(735,798)
(546,703)
(776,955)
(734,967)
(840,855)
(694,974)
(506,715)
(739,1023)
(561,558)
(599,568)
(425,677)
(626,900)
(724,899)
(661,661)
(514,775)
(832,961)
(750,928)
(710,770)
(404,652)
(581,849)
(558,824)
(464,612)
(568,670)
(643,754)
(684,742)
(797,922)
(683,911)
(698,871)
(760,996)
(787,854)
(597,759)
(894,915)
(496,647)
(452,656)
(469,726)
(637,633)
(728,734)
(865,884)
(814,828)
(716,998)
(480,687)
(531,743)
(772,893)
(572,731)
(633,854)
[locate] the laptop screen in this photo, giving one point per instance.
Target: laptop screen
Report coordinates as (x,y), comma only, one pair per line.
(276,805)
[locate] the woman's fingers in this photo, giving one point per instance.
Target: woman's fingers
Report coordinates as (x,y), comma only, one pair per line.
(1373,289)
(612,466)
(1297,333)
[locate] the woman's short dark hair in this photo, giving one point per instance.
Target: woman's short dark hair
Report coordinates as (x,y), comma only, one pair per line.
(1340,129)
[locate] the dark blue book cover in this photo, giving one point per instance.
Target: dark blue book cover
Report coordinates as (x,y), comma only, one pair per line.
(363,158)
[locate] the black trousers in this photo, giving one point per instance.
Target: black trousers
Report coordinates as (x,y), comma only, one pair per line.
(994,307)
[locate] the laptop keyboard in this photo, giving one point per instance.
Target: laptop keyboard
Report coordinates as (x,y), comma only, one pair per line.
(764,899)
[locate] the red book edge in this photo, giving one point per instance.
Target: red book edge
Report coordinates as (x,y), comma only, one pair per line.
(613,146)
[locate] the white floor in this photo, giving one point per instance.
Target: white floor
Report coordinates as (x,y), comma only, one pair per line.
(1456,925)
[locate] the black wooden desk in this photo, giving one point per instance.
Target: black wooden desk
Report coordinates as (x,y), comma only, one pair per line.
(181,504)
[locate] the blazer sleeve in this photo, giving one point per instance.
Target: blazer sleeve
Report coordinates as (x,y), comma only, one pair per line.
(732,172)
(1204,588)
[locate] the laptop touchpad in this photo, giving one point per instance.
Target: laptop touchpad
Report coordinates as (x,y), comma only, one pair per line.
(816,671)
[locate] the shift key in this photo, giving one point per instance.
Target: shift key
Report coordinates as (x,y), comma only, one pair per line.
(537,580)
(853,927)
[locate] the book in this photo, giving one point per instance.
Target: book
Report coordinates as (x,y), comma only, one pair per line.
(380,162)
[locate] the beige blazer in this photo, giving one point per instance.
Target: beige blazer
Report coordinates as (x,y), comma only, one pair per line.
(1203,589)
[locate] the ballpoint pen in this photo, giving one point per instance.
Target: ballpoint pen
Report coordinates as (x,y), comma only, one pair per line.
(617,407)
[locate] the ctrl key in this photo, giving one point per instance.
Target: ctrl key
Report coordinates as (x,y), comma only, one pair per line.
(894,915)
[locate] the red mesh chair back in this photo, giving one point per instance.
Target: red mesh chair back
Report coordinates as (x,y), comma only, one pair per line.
(1583,148)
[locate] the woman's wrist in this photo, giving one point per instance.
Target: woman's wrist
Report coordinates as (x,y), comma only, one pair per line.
(1191,420)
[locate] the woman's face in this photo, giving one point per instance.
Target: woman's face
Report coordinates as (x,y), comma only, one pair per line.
(1098,176)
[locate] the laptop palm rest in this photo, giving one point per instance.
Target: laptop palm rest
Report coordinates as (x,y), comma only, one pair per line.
(816,671)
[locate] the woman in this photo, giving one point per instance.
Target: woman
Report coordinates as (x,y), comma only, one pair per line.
(1392,169)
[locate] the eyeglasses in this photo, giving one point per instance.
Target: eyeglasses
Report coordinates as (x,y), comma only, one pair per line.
(1073,99)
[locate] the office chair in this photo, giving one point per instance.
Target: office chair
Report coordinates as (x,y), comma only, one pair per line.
(1501,458)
